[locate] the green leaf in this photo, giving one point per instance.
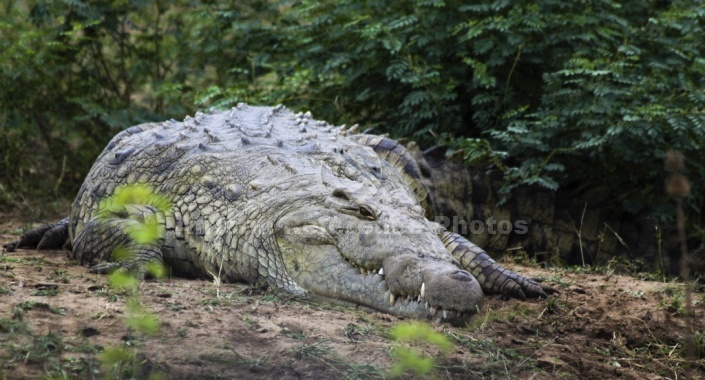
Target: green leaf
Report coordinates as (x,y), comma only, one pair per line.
(407,360)
(420,332)
(149,232)
(123,280)
(115,356)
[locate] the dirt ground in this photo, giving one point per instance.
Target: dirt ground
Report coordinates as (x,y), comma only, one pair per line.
(59,321)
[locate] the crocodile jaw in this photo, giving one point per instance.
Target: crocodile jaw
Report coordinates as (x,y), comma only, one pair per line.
(406,285)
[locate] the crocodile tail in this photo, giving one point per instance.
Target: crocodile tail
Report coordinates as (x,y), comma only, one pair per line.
(47,236)
(399,157)
(493,277)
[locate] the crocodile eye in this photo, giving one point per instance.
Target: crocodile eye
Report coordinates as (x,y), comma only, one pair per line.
(366,212)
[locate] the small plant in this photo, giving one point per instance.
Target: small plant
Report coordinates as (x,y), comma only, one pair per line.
(676,305)
(355,332)
(122,362)
(11,326)
(311,350)
(699,337)
(20,309)
(175,306)
(217,277)
(553,306)
(45,292)
(36,348)
(59,275)
(296,335)
(214,302)
(9,259)
(604,351)
(636,294)
(560,281)
(408,361)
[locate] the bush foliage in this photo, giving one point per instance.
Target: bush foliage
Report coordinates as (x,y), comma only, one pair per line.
(551,93)
(74,73)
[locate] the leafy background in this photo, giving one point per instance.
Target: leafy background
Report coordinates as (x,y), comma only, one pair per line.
(548,93)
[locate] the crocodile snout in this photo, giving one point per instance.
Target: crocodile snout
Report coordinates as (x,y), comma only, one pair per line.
(444,288)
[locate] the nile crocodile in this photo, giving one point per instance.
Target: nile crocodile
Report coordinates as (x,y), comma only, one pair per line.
(263,195)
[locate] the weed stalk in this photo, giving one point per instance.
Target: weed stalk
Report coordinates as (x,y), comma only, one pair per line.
(678,187)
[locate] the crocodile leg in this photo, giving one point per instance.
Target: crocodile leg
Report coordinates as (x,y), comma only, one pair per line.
(116,239)
(493,278)
(49,236)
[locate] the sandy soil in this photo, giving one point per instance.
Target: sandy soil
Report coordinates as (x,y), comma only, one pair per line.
(57,320)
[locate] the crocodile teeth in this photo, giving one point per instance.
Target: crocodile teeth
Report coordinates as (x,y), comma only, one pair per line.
(433,311)
(445,314)
(381,272)
(363,270)
(392,299)
(423,290)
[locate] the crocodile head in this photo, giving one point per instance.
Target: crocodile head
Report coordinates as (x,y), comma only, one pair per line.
(376,250)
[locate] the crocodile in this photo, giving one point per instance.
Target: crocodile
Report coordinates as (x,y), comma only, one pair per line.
(266,196)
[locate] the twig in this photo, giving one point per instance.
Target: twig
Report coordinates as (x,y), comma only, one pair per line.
(61,177)
(678,187)
(579,232)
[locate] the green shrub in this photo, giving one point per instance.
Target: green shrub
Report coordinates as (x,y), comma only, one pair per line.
(408,361)
(591,92)
(74,73)
(552,93)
